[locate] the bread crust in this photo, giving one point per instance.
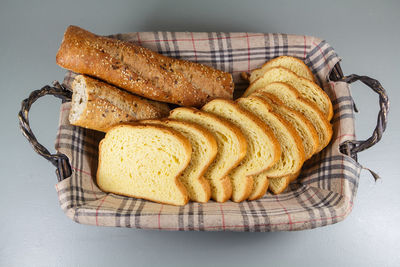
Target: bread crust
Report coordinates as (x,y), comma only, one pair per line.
(292,132)
(142,71)
(186,144)
(321,92)
(102,112)
(213,152)
(310,126)
(269,62)
(261,192)
(224,180)
(326,125)
(248,180)
(281,189)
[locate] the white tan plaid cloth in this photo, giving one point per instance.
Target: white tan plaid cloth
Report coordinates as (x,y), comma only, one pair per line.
(322,195)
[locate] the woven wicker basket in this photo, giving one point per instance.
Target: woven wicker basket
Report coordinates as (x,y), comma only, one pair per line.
(322,195)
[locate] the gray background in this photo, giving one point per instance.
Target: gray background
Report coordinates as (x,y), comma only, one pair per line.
(34,230)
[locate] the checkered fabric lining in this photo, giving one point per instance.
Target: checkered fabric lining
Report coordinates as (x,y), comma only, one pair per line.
(322,195)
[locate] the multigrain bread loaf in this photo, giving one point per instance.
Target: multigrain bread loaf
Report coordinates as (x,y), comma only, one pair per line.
(97,105)
(232,148)
(142,71)
(291,97)
(204,150)
(263,149)
(144,161)
(292,63)
(300,123)
(307,89)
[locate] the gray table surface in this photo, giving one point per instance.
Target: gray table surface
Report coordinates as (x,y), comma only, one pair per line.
(35,232)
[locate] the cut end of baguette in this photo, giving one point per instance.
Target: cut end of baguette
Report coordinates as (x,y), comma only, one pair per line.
(79,99)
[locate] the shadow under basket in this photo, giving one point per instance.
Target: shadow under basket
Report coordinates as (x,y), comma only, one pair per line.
(323,194)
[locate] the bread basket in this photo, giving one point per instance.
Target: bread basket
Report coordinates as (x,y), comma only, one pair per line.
(323,194)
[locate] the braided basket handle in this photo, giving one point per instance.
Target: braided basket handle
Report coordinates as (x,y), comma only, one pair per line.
(354,147)
(59,160)
(351,148)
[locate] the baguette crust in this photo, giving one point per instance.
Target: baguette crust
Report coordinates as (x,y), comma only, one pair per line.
(186,144)
(142,71)
(107,106)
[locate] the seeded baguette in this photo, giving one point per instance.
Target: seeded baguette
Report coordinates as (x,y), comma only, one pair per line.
(142,71)
(97,105)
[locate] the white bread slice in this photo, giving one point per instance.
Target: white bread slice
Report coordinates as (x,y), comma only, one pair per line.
(232,148)
(290,97)
(306,88)
(97,105)
(292,151)
(302,125)
(204,151)
(278,185)
(144,161)
(292,63)
(263,149)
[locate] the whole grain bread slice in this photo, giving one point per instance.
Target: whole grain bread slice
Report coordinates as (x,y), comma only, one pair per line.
(204,151)
(263,149)
(232,148)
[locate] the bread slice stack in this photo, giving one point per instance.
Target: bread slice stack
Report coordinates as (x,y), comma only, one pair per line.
(289,87)
(227,150)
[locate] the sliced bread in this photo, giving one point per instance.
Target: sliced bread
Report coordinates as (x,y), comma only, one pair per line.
(97,105)
(144,161)
(292,156)
(301,124)
(263,149)
(292,63)
(308,89)
(278,185)
(290,97)
(231,148)
(292,151)
(204,150)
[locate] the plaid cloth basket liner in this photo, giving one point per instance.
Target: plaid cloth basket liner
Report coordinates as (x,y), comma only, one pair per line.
(323,194)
